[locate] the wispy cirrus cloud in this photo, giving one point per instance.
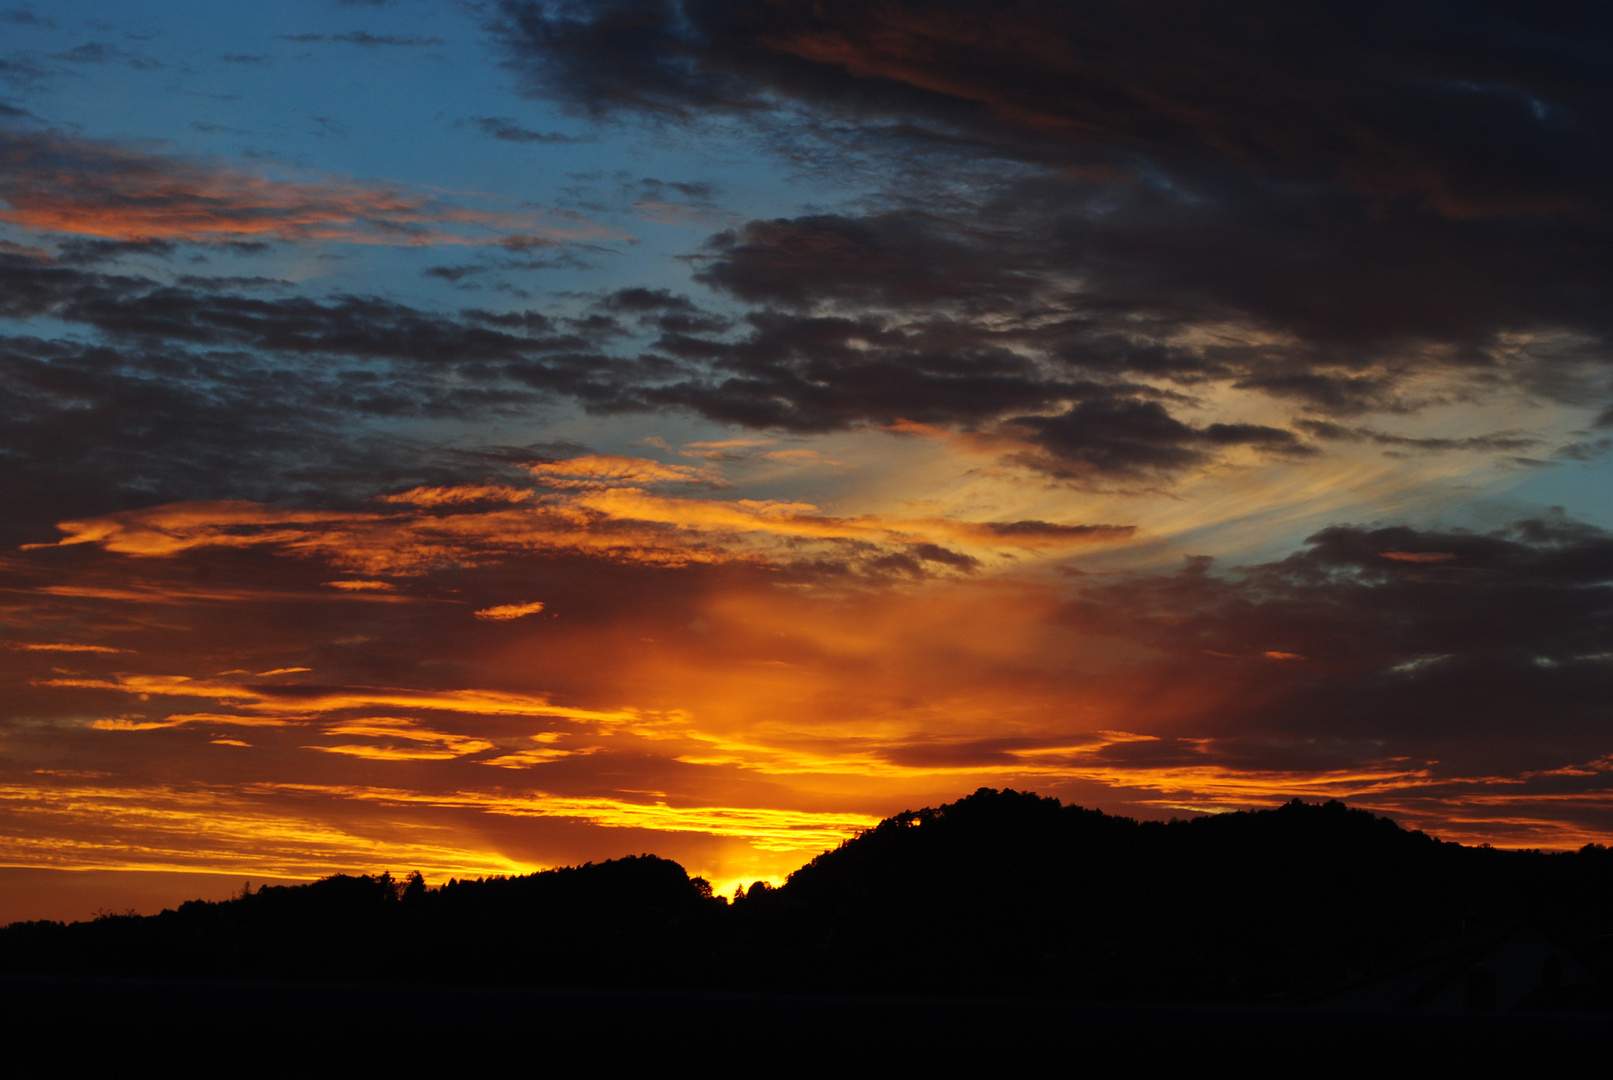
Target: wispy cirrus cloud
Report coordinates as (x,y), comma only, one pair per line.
(58,183)
(285,702)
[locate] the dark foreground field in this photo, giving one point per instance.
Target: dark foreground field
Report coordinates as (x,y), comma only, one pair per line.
(56,1025)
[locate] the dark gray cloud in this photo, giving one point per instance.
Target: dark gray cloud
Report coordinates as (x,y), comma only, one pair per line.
(363,38)
(99,52)
(821,373)
(1394,100)
(24,17)
(1348,199)
(369,40)
(83,251)
(1149,201)
(199,390)
(22,73)
(895,260)
(1500,442)
(663,310)
(507,130)
(1119,436)
(792,371)
(1486,653)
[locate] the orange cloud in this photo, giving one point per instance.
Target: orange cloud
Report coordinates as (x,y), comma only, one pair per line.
(504,612)
(799,457)
(122,723)
(459,495)
(77,826)
(728,444)
(176,527)
(610,470)
(291,699)
(543,755)
(603,507)
(58,183)
(422,744)
(803,520)
(745,726)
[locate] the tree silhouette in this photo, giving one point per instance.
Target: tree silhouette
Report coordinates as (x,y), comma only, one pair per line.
(1002,892)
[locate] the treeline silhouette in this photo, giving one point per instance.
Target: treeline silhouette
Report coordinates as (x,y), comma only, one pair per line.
(999,894)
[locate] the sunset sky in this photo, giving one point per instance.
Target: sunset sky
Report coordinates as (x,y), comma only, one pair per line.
(478,437)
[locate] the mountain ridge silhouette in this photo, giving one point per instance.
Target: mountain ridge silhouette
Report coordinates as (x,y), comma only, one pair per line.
(1001,893)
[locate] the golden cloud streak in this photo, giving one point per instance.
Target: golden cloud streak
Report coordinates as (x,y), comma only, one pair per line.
(462,495)
(438,746)
(177,527)
(311,701)
(1213,788)
(871,758)
(767,829)
(391,753)
(120,723)
(525,759)
(165,828)
(505,612)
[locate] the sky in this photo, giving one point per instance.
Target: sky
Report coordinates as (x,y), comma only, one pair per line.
(487,436)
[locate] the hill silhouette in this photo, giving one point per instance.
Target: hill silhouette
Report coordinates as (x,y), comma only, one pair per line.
(999,894)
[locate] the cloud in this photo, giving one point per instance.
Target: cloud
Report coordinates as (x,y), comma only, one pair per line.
(505,612)
(399,739)
(458,495)
(62,183)
(363,38)
(199,391)
(598,471)
(506,129)
(24,17)
(161,827)
(124,723)
(1073,266)
(1121,437)
(666,692)
(368,40)
(895,259)
(1074,204)
(288,702)
(178,528)
(1468,115)
(1517,619)
(99,52)
(596,507)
